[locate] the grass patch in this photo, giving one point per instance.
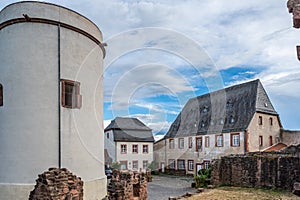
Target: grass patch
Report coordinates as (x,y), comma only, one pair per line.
(238,193)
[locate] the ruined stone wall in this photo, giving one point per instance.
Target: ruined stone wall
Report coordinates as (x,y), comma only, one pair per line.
(127,185)
(290,137)
(271,170)
(57,184)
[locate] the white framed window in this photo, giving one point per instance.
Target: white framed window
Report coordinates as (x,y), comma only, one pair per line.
(145,164)
(145,148)
(190,165)
(123,148)
(199,144)
(171,163)
(135,165)
(219,140)
(206,141)
(181,164)
(235,139)
(206,164)
(171,144)
(135,148)
(180,143)
(190,142)
(123,165)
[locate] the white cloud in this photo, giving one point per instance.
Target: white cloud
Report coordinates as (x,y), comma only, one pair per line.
(252,33)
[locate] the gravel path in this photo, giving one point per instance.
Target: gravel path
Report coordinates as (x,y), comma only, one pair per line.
(162,187)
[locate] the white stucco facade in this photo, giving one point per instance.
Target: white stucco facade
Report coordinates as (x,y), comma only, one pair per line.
(35,55)
(131,157)
(114,152)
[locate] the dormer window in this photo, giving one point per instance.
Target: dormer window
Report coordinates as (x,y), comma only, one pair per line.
(205,109)
(231,120)
(202,124)
(221,121)
(229,104)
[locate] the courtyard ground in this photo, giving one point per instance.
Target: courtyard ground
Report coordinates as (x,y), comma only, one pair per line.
(163,186)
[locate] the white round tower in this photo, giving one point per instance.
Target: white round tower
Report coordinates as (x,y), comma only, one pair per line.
(51,97)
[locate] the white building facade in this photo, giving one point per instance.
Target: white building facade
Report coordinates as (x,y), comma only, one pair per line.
(129,142)
(51,96)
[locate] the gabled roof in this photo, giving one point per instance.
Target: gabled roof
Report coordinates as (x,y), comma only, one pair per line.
(275,147)
(130,129)
(227,110)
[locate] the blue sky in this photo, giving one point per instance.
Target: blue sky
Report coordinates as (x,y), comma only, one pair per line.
(161,53)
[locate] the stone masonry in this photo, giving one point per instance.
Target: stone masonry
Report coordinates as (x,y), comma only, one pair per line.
(57,184)
(127,185)
(271,170)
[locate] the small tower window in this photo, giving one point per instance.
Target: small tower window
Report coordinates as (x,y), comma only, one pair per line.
(70,94)
(1,95)
(260,140)
(260,120)
(271,121)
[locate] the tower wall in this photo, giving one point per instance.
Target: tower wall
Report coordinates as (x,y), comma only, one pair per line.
(36,132)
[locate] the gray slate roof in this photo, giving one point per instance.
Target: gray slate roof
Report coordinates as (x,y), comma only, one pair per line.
(227,110)
(130,130)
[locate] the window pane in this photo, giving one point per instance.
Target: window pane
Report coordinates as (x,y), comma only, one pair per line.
(219,140)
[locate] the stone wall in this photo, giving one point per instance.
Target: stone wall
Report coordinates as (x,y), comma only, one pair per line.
(271,170)
(290,137)
(57,184)
(127,185)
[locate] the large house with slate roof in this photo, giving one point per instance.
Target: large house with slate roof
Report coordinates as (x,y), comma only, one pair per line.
(234,120)
(129,142)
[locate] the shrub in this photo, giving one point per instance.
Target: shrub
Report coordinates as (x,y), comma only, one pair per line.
(203,178)
(116,165)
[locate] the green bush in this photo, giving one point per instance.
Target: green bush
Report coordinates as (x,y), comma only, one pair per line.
(202,179)
(116,165)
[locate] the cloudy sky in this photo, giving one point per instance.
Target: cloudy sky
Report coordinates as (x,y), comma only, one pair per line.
(161,53)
